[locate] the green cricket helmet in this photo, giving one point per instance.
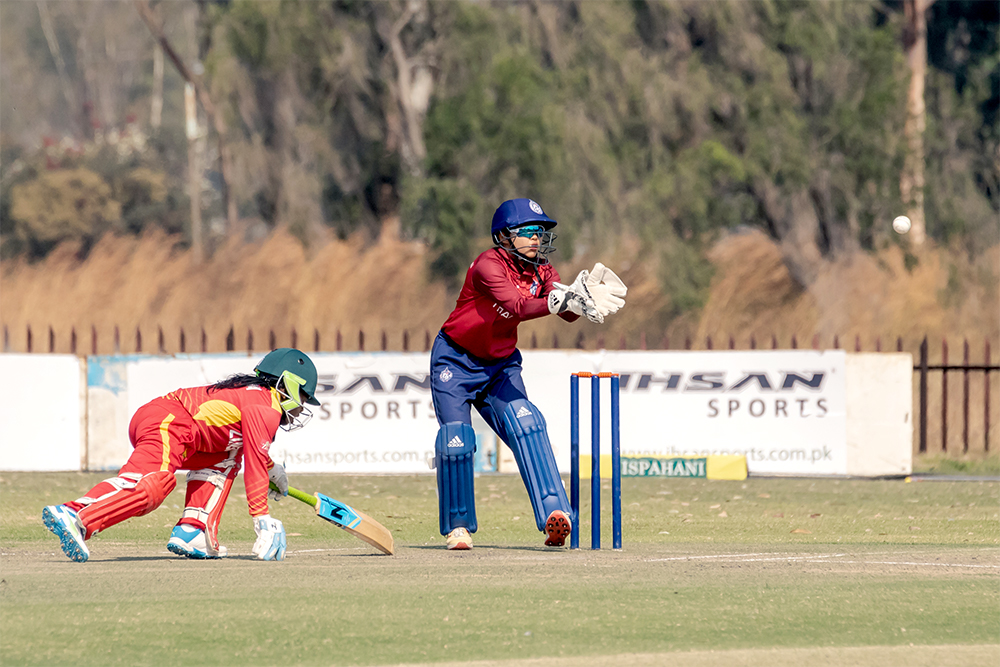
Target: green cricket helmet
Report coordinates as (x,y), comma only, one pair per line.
(293,372)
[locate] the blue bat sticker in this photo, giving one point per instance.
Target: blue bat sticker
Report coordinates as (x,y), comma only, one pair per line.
(337,512)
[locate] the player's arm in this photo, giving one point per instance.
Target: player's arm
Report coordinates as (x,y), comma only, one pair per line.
(491,278)
(260,424)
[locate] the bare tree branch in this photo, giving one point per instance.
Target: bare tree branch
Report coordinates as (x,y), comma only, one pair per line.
(53,42)
(152,20)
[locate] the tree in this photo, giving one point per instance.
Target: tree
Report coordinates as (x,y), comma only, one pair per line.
(65,204)
(911,182)
(152,20)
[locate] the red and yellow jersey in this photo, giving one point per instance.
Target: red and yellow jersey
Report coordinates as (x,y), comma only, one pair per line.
(230,419)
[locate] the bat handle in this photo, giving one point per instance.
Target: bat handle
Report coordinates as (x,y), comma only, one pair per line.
(299,495)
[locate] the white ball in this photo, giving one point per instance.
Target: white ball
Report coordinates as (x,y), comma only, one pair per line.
(901,224)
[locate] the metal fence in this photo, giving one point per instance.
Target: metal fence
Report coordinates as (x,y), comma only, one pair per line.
(199,341)
(936,412)
(924,368)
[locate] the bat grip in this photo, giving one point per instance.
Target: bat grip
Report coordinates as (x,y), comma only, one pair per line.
(298,495)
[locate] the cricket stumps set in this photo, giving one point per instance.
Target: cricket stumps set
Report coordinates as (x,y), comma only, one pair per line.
(595,459)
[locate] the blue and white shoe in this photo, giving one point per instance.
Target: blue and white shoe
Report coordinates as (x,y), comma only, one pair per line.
(66,525)
(192,542)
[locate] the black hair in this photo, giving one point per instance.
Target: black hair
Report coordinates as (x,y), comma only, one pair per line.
(242,380)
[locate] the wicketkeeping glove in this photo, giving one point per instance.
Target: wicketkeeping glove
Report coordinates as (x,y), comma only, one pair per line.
(575,299)
(606,289)
(278,477)
(271,541)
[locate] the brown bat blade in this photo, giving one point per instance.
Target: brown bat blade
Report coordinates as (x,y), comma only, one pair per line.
(346,517)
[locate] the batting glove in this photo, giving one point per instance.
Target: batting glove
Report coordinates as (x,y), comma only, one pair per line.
(271,541)
(278,477)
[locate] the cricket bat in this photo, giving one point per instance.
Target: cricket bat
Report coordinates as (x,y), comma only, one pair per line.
(343,516)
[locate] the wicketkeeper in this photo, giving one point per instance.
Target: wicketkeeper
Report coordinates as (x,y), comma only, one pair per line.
(475,363)
(211,432)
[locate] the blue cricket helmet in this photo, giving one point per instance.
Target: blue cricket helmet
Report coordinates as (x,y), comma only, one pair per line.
(517,212)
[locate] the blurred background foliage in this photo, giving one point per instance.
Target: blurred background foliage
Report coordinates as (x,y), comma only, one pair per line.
(667,122)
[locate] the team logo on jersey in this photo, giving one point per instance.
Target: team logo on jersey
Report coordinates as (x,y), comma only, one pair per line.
(445,375)
(535,208)
(534,287)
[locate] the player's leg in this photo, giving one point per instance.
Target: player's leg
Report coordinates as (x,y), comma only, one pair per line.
(112,501)
(454,379)
(159,438)
(521,425)
(454,449)
(209,482)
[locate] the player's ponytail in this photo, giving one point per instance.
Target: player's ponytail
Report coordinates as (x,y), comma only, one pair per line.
(240,380)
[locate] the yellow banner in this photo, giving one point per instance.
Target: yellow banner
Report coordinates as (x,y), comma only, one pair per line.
(713,466)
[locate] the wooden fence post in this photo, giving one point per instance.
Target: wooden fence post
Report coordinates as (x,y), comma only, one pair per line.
(965,396)
(944,394)
(986,396)
(922,445)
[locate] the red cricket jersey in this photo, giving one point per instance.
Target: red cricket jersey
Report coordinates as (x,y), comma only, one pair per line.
(499,293)
(227,419)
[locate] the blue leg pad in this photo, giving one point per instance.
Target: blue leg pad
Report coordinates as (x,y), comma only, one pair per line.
(529,440)
(454,450)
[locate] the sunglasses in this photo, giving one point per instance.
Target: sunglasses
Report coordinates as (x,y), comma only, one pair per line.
(529,231)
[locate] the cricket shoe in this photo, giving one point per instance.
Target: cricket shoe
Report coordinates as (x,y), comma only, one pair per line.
(66,525)
(459,540)
(192,542)
(557,528)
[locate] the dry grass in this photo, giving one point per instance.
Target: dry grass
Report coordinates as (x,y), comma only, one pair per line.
(865,297)
(276,285)
(146,283)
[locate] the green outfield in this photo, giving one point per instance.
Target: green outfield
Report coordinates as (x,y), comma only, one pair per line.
(764,571)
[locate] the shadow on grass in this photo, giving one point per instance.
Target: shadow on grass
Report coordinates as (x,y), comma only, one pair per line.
(971,465)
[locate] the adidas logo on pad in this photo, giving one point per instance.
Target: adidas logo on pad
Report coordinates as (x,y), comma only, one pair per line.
(456,442)
(523,412)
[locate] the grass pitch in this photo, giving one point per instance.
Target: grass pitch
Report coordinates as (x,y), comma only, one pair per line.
(765,571)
